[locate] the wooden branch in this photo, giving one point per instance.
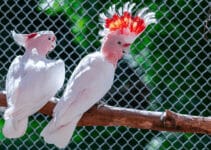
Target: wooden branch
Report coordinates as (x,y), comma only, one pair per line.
(104,115)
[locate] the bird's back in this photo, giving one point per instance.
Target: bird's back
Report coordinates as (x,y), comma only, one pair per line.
(32,81)
(90,81)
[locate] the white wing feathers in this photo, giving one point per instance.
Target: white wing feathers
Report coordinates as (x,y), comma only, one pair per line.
(30,83)
(89,82)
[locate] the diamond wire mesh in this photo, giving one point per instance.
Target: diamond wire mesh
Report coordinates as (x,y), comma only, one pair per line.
(169,67)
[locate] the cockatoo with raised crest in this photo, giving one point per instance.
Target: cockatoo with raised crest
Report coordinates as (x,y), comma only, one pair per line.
(94,75)
(31,80)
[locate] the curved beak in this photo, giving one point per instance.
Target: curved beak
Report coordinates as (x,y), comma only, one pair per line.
(54,38)
(126,47)
(53,45)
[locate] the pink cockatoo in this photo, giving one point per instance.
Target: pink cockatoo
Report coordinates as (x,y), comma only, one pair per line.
(31,80)
(94,75)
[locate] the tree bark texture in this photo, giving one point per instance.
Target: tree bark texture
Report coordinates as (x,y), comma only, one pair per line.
(104,115)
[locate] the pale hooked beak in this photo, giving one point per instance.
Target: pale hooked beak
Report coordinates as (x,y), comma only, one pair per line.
(53,38)
(53,45)
(126,47)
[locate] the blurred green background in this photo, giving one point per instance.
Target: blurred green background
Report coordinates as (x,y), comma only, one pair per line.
(169,67)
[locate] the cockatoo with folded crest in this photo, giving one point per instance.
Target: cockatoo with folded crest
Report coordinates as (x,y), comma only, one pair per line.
(94,75)
(31,80)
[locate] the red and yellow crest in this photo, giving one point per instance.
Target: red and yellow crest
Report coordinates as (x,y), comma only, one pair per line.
(123,21)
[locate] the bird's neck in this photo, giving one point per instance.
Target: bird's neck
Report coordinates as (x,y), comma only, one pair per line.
(32,52)
(111,58)
(111,54)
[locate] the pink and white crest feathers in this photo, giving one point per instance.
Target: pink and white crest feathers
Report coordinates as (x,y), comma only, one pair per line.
(21,39)
(123,21)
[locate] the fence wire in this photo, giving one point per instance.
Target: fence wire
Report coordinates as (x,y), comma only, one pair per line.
(168,68)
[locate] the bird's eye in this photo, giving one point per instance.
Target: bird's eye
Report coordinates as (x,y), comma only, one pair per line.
(119,42)
(49,38)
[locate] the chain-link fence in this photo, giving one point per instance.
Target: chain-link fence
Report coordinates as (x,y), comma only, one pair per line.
(169,67)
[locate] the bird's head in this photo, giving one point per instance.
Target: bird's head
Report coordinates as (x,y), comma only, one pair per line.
(121,28)
(43,41)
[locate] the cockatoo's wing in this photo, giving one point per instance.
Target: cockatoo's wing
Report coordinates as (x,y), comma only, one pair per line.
(89,82)
(31,83)
(13,79)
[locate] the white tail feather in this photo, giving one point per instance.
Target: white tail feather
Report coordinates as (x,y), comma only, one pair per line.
(14,128)
(59,136)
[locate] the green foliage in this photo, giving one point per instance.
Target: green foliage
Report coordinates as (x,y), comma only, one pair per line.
(1,126)
(80,14)
(35,126)
(171,62)
(168,53)
(172,56)
(173,141)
